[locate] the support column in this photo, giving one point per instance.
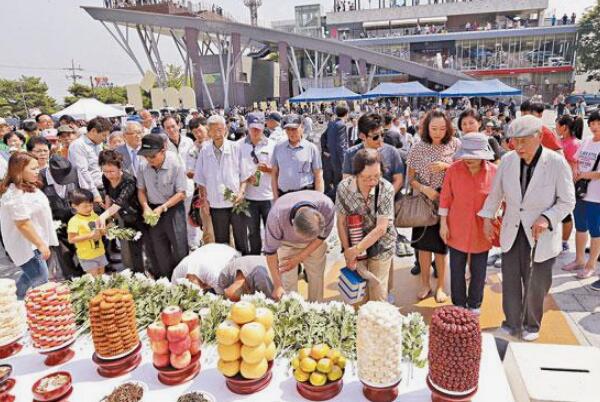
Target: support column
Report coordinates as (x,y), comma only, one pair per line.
(362,72)
(344,67)
(237,87)
(284,82)
(191,42)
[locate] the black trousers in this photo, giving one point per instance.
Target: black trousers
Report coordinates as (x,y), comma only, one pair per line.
(222,218)
(65,254)
(169,241)
(458,285)
(259,210)
(132,252)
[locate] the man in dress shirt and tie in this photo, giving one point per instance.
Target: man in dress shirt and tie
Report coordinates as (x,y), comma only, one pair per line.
(133,141)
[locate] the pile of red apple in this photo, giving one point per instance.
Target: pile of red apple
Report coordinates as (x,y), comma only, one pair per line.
(175,338)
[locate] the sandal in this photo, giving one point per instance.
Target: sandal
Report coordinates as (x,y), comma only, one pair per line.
(424,294)
(440,296)
(586,273)
(572,266)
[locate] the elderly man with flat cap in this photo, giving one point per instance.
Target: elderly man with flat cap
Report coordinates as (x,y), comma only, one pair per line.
(536,186)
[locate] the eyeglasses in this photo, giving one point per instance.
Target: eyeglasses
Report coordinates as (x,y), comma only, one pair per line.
(375,137)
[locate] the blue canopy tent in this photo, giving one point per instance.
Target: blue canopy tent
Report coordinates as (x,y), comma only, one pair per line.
(393,89)
(325,95)
(485,88)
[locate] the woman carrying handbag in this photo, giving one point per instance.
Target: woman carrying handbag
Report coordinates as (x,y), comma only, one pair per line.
(427,163)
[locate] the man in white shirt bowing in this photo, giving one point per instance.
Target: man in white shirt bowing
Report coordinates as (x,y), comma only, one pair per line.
(219,167)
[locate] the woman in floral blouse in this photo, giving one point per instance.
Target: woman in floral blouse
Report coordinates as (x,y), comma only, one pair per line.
(369,197)
(427,163)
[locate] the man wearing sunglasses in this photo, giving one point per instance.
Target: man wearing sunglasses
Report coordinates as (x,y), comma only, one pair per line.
(256,151)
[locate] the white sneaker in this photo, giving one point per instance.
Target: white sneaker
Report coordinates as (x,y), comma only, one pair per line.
(498,263)
(475,311)
(530,336)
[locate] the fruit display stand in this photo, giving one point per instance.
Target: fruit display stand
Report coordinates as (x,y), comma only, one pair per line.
(88,385)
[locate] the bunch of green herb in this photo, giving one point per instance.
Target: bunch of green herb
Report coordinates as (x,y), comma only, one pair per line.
(116,232)
(151,218)
(413,338)
(239,207)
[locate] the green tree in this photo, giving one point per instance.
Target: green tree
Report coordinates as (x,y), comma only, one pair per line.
(588,49)
(108,94)
(16,96)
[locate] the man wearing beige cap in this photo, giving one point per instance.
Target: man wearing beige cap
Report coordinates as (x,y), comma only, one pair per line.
(536,186)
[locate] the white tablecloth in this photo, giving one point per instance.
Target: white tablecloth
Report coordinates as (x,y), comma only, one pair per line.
(90,387)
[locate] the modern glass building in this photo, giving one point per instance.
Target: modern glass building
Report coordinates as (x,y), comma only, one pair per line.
(517,41)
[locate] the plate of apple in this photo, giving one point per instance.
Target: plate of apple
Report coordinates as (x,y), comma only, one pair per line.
(175,341)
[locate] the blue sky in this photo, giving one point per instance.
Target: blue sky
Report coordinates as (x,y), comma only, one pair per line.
(40,37)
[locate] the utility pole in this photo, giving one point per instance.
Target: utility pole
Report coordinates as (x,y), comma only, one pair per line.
(73,72)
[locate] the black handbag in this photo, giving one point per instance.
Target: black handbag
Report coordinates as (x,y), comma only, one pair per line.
(376,248)
(581,185)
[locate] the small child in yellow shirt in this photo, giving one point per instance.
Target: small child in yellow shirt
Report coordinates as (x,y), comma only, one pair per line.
(83,234)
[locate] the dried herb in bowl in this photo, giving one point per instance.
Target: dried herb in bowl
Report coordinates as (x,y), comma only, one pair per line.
(193,397)
(128,392)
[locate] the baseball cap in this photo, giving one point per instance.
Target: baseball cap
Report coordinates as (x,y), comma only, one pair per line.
(65,129)
(151,144)
(292,121)
(274,116)
(255,120)
(3,121)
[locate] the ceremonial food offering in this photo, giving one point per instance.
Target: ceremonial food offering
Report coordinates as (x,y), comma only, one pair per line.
(454,350)
(52,387)
(12,317)
(318,371)
(175,342)
(112,319)
(379,344)
(50,316)
(131,391)
(245,347)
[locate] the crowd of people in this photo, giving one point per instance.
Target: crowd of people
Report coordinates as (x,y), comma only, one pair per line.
(246,201)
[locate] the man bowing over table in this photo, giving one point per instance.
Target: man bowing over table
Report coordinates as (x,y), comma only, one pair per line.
(536,186)
(295,233)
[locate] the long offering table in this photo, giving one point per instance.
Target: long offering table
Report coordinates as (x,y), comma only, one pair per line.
(88,386)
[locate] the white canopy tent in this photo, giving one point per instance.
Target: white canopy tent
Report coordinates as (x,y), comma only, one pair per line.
(88,108)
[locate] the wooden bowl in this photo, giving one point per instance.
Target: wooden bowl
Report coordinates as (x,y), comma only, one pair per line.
(438,395)
(117,367)
(172,376)
(322,393)
(8,373)
(242,386)
(10,349)
(385,394)
(55,394)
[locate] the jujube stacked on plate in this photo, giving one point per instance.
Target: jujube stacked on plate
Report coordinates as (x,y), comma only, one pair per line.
(112,318)
(12,318)
(454,350)
(50,315)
